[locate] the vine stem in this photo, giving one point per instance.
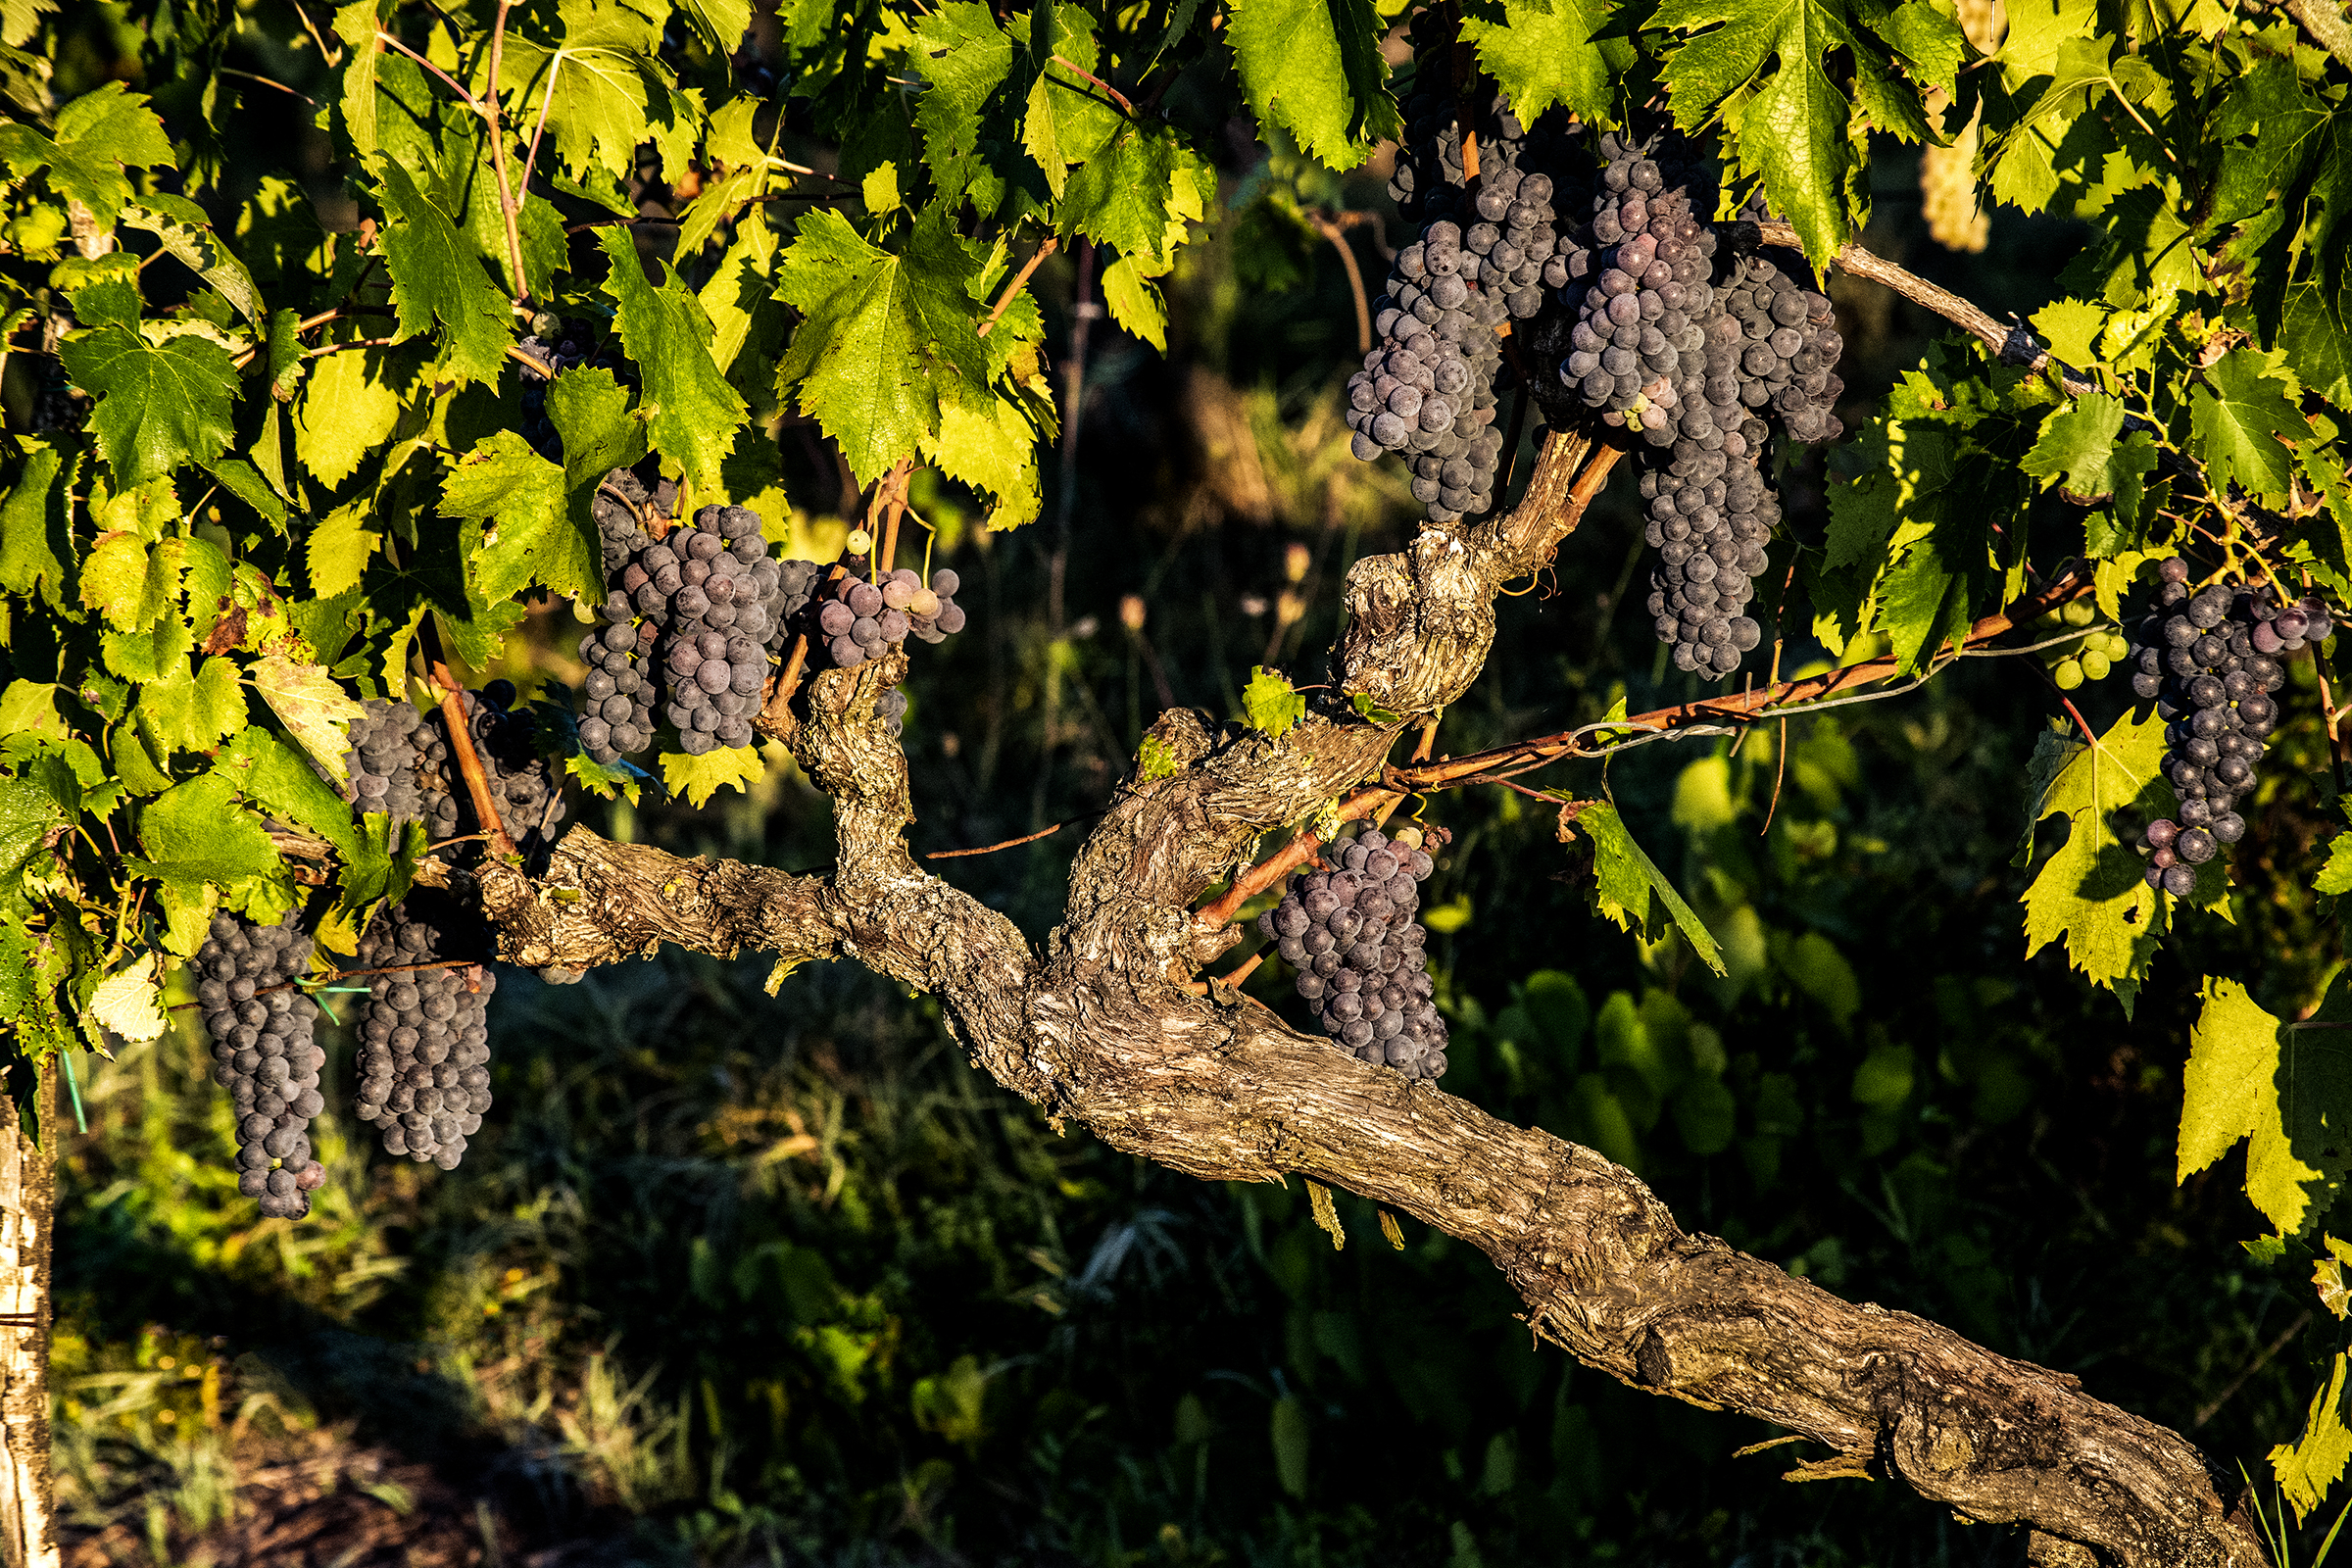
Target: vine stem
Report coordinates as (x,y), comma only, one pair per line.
(1744,707)
(509,208)
(1856,261)
(1020,280)
(1011,843)
(1112,93)
(460,740)
(1356,277)
(488,110)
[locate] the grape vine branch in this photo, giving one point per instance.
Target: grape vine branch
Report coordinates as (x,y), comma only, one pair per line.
(1099,1026)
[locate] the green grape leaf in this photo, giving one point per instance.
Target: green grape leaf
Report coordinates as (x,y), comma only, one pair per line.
(1313,67)
(1138,193)
(2282,126)
(195,834)
(530,535)
(991,450)
(692,413)
(99,137)
(187,235)
(2091,894)
(31,818)
(36,531)
(590,410)
(2284,1088)
(1626,879)
(348,408)
(131,585)
(104,289)
(886,342)
(620,777)
(2313,1462)
(380,864)
(1543,52)
(604,93)
(277,777)
(315,711)
(1929,40)
(128,1003)
(244,481)
(2079,450)
(2240,413)
(1793,127)
(193,708)
(341,546)
(1135,303)
(964,123)
(159,405)
(355,25)
(722,23)
(2316,333)
(1068,120)
(698,778)
(1270,703)
(439,274)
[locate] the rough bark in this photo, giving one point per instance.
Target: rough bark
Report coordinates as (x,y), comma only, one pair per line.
(28,1210)
(1098,1024)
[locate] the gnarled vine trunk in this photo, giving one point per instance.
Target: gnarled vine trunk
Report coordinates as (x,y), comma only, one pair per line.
(1103,1023)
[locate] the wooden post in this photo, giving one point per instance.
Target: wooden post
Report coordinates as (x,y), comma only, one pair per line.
(27,1217)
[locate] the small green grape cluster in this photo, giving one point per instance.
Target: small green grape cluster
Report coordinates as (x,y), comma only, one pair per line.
(2092,657)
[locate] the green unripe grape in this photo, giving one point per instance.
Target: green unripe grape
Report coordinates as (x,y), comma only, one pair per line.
(2118,647)
(2095,666)
(2068,675)
(858,542)
(2080,612)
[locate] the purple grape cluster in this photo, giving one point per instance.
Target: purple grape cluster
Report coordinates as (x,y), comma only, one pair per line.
(1785,357)
(1709,512)
(2211,661)
(526,788)
(423,1035)
(381,763)
(709,587)
(852,619)
(687,626)
(1361,956)
(401,764)
(1481,259)
(263,1054)
(1639,280)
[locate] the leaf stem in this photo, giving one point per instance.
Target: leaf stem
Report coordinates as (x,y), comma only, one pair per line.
(463,97)
(508,206)
(1710,715)
(1020,280)
(547,101)
(1112,93)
